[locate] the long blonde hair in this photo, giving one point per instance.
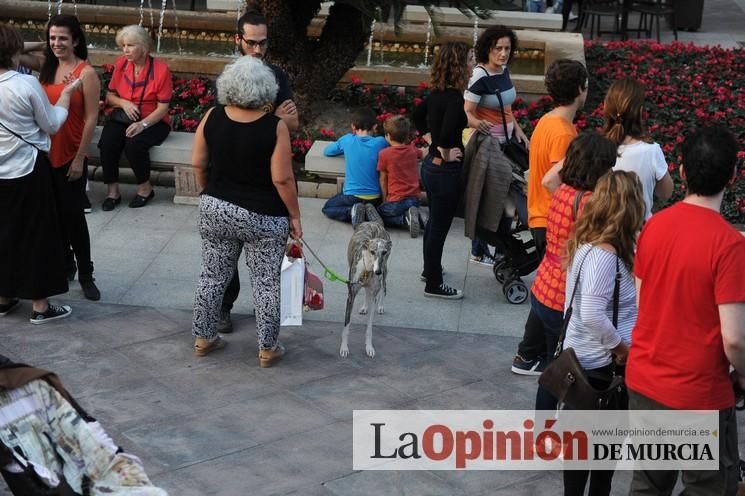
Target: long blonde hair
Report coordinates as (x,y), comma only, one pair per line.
(613,215)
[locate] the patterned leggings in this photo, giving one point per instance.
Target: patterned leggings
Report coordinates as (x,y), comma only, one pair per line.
(225,228)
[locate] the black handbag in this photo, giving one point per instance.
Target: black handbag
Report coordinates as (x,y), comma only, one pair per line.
(513,148)
(565,378)
(118,115)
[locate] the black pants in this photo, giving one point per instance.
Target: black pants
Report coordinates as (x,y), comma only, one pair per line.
(696,482)
(533,344)
(444,184)
(137,149)
(231,292)
(70,196)
(600,480)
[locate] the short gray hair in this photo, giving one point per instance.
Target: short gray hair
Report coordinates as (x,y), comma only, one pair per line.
(135,34)
(247,83)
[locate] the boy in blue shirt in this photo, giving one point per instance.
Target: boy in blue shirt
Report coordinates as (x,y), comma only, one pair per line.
(361,185)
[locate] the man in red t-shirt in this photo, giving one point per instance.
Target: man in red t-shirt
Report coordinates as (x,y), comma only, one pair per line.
(399,177)
(690,277)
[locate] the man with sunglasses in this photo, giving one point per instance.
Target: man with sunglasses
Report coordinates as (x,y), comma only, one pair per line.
(251,39)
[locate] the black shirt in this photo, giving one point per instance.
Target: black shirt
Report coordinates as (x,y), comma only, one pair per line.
(284,92)
(442,115)
(240,162)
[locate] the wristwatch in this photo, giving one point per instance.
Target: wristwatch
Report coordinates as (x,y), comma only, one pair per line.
(144,124)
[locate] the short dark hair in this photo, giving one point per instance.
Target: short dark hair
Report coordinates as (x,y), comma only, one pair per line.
(589,157)
(49,68)
(11,43)
(564,78)
(709,160)
(489,38)
(364,119)
(398,127)
(252,17)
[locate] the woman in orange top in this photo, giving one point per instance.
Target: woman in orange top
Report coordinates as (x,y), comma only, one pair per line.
(588,158)
(65,60)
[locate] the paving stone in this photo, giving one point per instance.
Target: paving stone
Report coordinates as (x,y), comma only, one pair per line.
(408,483)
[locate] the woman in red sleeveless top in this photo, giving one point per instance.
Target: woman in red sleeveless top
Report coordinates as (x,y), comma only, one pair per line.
(65,60)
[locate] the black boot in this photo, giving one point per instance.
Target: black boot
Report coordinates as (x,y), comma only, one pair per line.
(86,280)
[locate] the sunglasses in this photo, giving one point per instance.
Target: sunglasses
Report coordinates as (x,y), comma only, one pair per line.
(253,43)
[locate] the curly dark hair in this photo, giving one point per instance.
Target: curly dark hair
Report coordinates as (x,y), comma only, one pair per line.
(450,67)
(488,40)
(11,43)
(589,156)
(564,78)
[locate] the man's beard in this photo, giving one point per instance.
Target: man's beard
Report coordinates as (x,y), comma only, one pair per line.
(243,53)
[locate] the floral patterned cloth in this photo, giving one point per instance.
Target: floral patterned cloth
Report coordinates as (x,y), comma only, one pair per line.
(37,421)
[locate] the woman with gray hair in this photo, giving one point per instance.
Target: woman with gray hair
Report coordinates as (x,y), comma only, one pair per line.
(140,90)
(242,163)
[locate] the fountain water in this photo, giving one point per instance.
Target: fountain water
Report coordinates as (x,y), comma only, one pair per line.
(59,7)
(75,7)
(475,30)
(160,25)
(426,43)
(49,9)
(150,8)
(370,42)
(175,26)
(142,10)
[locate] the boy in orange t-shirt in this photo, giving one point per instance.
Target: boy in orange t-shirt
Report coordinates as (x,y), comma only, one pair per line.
(399,177)
(566,82)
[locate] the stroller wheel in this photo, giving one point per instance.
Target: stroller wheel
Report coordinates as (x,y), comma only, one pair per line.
(516,292)
(499,271)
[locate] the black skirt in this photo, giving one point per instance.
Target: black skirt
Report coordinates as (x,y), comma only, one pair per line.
(32,261)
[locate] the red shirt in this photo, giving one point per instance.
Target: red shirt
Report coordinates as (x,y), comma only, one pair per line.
(689,260)
(550,280)
(399,162)
(66,141)
(157,84)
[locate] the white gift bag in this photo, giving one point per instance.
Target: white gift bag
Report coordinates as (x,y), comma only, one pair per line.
(292,285)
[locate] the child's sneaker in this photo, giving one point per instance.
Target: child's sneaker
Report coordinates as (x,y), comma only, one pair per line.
(358,214)
(412,219)
(372,214)
(54,312)
(485,259)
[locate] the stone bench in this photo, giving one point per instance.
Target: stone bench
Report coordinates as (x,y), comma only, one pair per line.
(171,165)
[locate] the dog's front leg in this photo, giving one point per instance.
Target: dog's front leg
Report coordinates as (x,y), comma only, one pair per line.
(370,301)
(379,300)
(352,293)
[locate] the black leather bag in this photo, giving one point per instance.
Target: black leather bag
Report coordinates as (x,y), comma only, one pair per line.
(121,117)
(118,115)
(567,380)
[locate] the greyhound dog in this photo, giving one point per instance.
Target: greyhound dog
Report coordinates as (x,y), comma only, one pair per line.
(367,255)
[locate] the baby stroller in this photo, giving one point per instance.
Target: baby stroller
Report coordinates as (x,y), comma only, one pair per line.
(514,240)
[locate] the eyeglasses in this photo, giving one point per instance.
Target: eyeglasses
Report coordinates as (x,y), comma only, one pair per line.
(253,43)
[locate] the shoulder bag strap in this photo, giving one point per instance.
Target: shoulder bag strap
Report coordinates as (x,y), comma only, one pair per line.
(577,201)
(147,80)
(20,137)
(569,310)
(616,293)
(504,117)
(501,104)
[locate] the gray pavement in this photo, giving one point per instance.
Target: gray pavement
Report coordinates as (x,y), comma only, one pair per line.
(220,425)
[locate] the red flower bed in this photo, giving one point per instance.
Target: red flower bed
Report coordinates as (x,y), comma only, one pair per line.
(687,87)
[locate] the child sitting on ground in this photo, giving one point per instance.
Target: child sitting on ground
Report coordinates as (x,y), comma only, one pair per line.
(360,149)
(399,177)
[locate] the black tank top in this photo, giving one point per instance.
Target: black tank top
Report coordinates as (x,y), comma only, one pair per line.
(240,162)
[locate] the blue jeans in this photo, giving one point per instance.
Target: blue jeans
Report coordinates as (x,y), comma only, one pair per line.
(339,207)
(550,322)
(394,213)
(535,5)
(479,248)
(444,184)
